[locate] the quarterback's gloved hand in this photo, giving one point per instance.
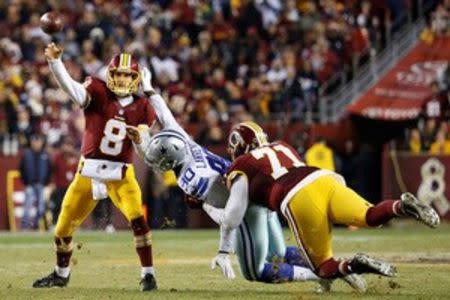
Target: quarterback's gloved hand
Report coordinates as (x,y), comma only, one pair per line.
(146,80)
(223,261)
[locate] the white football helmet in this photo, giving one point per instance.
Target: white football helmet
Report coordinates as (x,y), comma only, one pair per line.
(166,150)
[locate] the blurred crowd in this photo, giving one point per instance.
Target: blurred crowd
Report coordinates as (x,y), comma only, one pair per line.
(214,61)
(432,133)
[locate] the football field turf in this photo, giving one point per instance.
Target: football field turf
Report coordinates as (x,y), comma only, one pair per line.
(106,267)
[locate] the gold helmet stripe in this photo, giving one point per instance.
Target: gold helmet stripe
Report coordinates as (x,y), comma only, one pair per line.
(259,132)
(124,61)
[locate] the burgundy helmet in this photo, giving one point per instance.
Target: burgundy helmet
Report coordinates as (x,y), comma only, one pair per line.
(245,137)
(125,63)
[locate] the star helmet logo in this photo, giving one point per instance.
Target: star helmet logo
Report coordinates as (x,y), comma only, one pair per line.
(164,150)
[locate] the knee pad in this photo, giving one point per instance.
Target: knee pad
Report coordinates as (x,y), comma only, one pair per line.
(142,234)
(276,273)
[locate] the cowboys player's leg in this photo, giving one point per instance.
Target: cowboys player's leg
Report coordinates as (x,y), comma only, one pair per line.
(252,248)
(277,246)
(76,206)
(126,195)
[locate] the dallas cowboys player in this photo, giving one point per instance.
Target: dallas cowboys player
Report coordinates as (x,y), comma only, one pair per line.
(200,174)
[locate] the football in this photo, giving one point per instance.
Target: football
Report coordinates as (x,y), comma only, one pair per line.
(51,22)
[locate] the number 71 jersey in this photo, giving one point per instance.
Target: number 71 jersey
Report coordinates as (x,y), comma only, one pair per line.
(272,171)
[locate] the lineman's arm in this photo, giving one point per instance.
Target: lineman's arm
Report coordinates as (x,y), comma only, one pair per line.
(232,215)
(76,91)
(163,112)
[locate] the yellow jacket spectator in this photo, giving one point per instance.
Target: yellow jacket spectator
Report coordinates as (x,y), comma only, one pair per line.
(441,145)
(320,155)
(169,178)
(415,144)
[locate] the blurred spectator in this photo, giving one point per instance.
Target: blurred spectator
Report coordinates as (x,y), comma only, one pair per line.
(348,164)
(436,106)
(65,163)
(35,172)
(24,126)
(442,144)
(211,133)
(8,120)
(428,135)
(320,155)
(415,144)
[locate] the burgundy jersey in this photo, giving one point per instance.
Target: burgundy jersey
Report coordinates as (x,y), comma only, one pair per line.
(435,106)
(272,171)
(106,119)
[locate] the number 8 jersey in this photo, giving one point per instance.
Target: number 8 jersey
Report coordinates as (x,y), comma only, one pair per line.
(272,172)
(106,120)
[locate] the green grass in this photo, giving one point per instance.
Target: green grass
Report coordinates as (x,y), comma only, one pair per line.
(106,266)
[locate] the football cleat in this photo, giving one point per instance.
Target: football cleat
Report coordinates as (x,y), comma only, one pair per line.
(51,280)
(411,206)
(362,263)
(148,283)
(357,282)
(324,286)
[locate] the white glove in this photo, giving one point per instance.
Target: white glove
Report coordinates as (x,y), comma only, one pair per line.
(146,80)
(223,261)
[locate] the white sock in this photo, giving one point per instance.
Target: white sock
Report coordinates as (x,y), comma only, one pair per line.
(147,270)
(63,272)
(304,274)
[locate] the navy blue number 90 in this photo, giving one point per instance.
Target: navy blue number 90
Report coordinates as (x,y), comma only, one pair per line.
(217,163)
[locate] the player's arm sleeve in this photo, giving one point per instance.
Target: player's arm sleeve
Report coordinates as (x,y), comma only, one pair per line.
(144,132)
(76,91)
(232,215)
(165,116)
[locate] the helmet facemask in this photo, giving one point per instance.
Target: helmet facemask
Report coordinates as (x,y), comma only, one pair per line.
(121,64)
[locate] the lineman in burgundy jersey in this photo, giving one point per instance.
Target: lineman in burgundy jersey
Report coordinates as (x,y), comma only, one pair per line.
(264,189)
(106,119)
(311,199)
(105,168)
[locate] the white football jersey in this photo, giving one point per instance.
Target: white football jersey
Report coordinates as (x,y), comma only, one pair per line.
(202,173)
